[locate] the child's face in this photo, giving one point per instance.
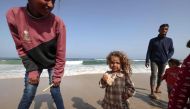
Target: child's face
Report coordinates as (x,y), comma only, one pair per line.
(115,64)
(41,7)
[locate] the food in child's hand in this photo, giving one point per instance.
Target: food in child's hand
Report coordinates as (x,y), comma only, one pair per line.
(110,78)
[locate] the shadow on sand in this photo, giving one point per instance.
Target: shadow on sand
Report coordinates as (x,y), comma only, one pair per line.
(145,98)
(78,103)
(43,98)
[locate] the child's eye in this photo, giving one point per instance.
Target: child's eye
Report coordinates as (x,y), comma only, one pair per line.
(115,62)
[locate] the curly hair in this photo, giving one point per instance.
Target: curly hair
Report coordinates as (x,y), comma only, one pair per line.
(125,62)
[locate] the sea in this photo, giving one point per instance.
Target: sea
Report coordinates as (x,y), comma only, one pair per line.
(13,68)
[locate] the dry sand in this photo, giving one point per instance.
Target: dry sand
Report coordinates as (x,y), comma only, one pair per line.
(79,92)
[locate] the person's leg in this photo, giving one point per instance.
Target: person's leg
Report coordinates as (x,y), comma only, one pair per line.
(161,69)
(28,94)
(55,92)
(154,68)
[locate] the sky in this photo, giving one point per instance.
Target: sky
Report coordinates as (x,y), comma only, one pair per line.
(97,27)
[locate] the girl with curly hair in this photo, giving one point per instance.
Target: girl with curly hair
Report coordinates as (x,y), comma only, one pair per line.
(117,83)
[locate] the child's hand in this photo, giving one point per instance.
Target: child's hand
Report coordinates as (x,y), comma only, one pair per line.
(56,82)
(105,77)
(125,96)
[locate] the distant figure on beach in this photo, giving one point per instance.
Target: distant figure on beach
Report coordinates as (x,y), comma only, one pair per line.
(181,92)
(171,73)
(40,40)
(160,50)
(117,83)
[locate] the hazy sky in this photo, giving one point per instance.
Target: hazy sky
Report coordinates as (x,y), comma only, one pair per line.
(96,27)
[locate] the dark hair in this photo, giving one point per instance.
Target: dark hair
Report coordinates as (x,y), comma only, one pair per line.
(164,25)
(174,61)
(188,44)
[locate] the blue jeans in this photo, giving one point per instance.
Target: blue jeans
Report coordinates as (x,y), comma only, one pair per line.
(30,91)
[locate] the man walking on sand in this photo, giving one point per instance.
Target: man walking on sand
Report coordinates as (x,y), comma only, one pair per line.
(160,50)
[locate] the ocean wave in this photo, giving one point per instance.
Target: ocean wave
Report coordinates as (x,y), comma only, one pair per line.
(68,62)
(138,60)
(102,59)
(74,62)
(86,62)
(94,62)
(71,68)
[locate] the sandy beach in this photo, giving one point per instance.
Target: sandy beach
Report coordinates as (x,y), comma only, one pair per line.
(79,92)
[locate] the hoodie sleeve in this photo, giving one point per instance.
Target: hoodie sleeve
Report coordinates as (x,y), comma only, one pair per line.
(12,23)
(61,52)
(11,20)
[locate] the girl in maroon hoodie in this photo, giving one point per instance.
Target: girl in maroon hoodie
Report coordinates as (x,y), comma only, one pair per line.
(40,40)
(181,91)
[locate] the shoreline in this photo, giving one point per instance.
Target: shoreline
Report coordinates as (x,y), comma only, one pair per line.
(46,76)
(80,92)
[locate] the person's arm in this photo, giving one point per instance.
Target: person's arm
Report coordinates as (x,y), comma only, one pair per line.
(102,82)
(185,67)
(165,75)
(148,54)
(171,50)
(29,65)
(60,55)
(129,89)
(11,21)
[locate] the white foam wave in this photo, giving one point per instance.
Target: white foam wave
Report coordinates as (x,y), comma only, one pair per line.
(72,68)
(100,59)
(139,60)
(3,60)
(73,62)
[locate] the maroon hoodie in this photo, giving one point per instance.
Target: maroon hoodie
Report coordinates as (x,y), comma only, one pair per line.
(181,91)
(40,43)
